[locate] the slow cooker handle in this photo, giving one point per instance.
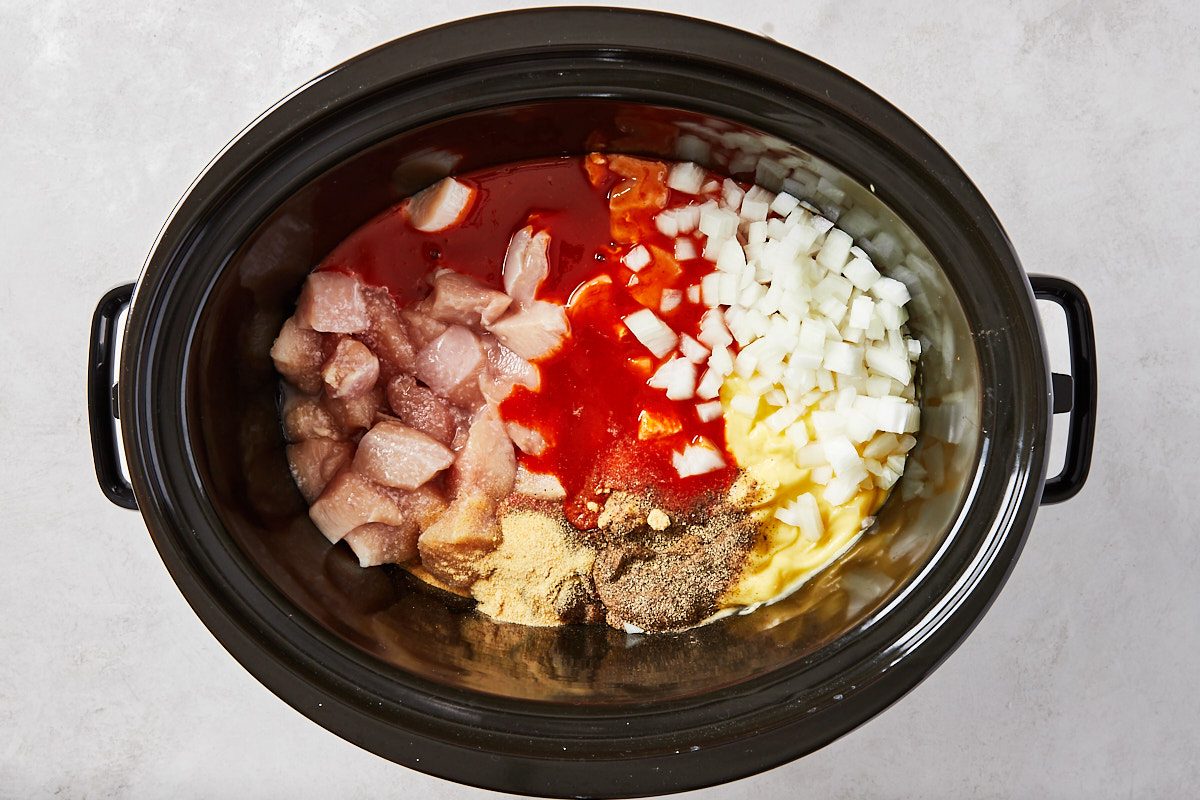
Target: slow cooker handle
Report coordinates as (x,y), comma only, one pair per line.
(102,357)
(1074,394)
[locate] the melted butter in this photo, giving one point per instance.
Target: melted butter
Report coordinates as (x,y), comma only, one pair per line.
(782,560)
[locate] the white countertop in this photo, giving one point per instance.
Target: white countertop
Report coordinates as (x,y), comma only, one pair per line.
(1077,120)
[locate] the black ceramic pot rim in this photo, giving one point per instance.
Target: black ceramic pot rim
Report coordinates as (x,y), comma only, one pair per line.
(560,749)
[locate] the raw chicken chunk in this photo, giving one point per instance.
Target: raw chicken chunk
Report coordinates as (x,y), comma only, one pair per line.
(451,364)
(486,466)
(529,440)
(394,454)
(387,335)
(352,369)
(526,264)
(356,414)
(418,407)
(462,300)
(505,370)
(440,206)
(539,485)
(533,331)
(378,543)
(422,328)
(298,354)
(304,417)
(452,547)
(351,500)
(424,505)
(333,303)
(314,462)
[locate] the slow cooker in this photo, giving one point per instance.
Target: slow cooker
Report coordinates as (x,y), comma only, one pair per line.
(575,711)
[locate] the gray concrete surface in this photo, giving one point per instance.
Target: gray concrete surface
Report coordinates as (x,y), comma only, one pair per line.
(1076,119)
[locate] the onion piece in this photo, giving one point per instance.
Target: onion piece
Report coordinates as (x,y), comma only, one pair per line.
(692,350)
(686,177)
(685,249)
(651,332)
(709,411)
(637,258)
(697,459)
(678,377)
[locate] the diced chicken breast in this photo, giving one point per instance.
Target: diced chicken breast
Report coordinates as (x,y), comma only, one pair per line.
(530,441)
(314,462)
(305,417)
(424,504)
(422,328)
(356,414)
(394,454)
(332,303)
(387,335)
(418,407)
(351,500)
(299,354)
(352,369)
(533,331)
(376,543)
(486,466)
(461,300)
(452,546)
(504,363)
(442,205)
(540,485)
(395,540)
(451,364)
(526,264)
(505,369)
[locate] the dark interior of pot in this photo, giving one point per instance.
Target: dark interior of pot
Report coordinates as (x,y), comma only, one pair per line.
(239,447)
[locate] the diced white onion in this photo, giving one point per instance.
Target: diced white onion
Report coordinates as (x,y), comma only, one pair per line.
(721,361)
(692,350)
(677,376)
(685,249)
(731,258)
(861,310)
(687,218)
(709,411)
(671,300)
(697,459)
(835,250)
(843,358)
(686,177)
(636,258)
(731,195)
(861,272)
(840,490)
(744,404)
(666,223)
(891,290)
(710,384)
(784,204)
(651,331)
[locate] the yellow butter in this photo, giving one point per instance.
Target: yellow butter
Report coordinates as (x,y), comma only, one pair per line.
(782,559)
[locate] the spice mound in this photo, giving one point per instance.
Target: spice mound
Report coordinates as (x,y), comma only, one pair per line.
(598,390)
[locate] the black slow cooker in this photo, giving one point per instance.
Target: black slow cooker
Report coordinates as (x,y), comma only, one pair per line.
(578,710)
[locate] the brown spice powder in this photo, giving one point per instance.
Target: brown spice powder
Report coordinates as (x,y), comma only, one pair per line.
(668,578)
(639,567)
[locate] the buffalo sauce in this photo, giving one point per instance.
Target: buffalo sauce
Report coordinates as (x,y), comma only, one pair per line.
(605,429)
